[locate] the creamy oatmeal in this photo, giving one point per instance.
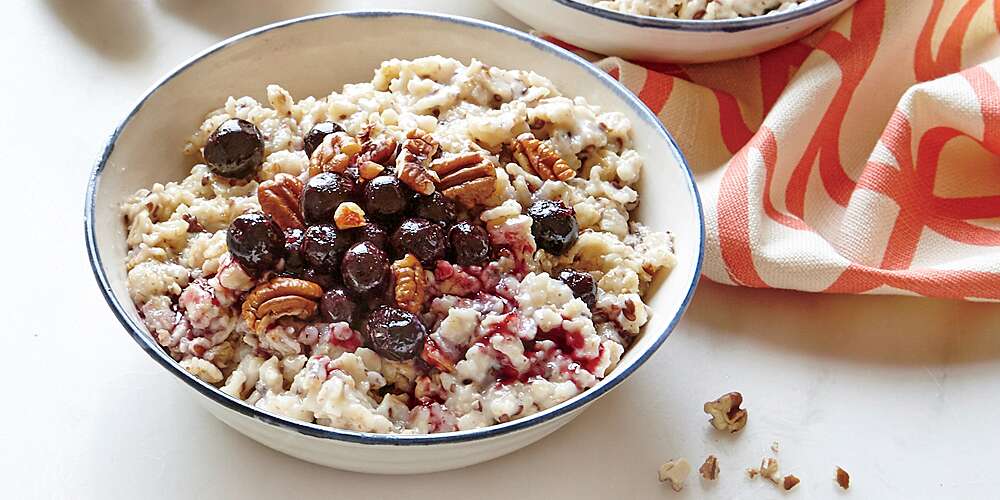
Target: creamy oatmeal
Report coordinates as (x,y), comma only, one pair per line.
(445,247)
(697,9)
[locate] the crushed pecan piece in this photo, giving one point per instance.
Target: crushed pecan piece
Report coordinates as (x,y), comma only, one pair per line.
(769,469)
(435,356)
(469,178)
(334,154)
(675,472)
(369,170)
(789,482)
(540,159)
(277,298)
(726,412)
(349,215)
(710,469)
(843,478)
(279,198)
(411,284)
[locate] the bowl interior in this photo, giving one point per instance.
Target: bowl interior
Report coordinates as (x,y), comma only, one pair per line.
(313,56)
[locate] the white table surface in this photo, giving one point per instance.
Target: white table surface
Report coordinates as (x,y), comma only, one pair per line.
(901,392)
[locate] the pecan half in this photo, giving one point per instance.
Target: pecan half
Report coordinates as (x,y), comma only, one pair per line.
(279,198)
(469,178)
(349,215)
(417,178)
(411,284)
(334,154)
(411,164)
(540,159)
(278,298)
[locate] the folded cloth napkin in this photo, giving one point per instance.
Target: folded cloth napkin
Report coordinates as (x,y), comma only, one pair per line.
(861,159)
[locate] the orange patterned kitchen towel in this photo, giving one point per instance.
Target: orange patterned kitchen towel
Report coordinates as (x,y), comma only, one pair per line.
(861,159)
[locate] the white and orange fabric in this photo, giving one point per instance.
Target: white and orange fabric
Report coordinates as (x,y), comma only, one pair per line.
(861,159)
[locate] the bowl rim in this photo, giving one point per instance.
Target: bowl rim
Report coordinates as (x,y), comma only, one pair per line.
(708,25)
(145,341)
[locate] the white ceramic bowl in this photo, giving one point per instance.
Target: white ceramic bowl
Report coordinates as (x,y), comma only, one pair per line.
(644,38)
(312,56)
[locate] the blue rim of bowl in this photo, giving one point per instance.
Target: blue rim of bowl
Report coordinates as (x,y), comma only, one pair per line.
(142,337)
(725,25)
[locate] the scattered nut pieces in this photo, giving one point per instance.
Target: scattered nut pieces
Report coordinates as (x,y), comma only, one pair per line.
(381,151)
(349,215)
(789,482)
(334,154)
(411,284)
(774,446)
(435,356)
(278,298)
(675,472)
(752,473)
(710,469)
(843,478)
(540,159)
(769,469)
(279,198)
(726,412)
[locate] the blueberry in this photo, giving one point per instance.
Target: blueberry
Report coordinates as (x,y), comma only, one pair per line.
(323,194)
(323,245)
(255,242)
(365,268)
(395,334)
(436,207)
(294,238)
(582,284)
(373,232)
(384,196)
(235,149)
(317,133)
(337,306)
(421,237)
(553,225)
(470,243)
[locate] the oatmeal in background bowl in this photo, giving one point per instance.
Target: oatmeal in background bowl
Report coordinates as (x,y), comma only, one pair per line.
(443,248)
(698,9)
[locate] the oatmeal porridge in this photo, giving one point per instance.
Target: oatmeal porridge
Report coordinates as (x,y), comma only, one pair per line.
(445,247)
(697,9)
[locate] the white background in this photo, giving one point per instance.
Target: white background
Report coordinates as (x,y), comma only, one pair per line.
(901,392)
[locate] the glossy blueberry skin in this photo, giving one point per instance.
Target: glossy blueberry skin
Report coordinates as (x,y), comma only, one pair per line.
(582,284)
(323,194)
(336,305)
(323,246)
(365,269)
(421,237)
(554,226)
(470,244)
(384,196)
(235,149)
(316,134)
(255,242)
(395,334)
(436,207)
